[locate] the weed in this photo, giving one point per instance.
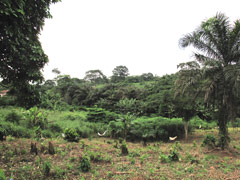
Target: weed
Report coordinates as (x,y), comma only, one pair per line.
(58,172)
(2,175)
(132,161)
(85,165)
(109,174)
(46,168)
(164,158)
(143,158)
(72,159)
(173,155)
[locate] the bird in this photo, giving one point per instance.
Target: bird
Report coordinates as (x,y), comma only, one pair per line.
(200,126)
(172,138)
(63,135)
(102,133)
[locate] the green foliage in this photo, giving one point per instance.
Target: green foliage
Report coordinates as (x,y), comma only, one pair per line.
(36,117)
(85,164)
(2,175)
(173,155)
(55,128)
(198,123)
(13,117)
(7,101)
(46,167)
(158,128)
(14,130)
(21,54)
(95,76)
(71,135)
(119,74)
(127,105)
(116,129)
(100,115)
(164,158)
(209,141)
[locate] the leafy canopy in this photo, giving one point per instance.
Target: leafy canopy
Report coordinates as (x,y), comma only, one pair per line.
(21,54)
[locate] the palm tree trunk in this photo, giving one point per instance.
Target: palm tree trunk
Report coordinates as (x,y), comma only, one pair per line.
(223,129)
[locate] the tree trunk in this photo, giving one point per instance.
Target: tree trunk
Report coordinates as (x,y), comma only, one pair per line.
(223,130)
(186,130)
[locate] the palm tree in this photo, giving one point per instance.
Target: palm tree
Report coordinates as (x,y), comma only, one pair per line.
(215,73)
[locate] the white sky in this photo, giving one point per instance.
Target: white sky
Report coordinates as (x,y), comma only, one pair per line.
(142,35)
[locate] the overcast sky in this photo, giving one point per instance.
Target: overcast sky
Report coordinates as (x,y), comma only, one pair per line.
(142,35)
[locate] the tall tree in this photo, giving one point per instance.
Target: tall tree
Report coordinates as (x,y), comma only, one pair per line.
(21,54)
(216,68)
(119,73)
(95,76)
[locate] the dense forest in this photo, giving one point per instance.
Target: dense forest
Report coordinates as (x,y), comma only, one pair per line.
(118,112)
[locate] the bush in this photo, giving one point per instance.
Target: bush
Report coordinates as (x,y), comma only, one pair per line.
(13,117)
(158,128)
(55,128)
(100,115)
(209,141)
(84,131)
(35,117)
(198,123)
(71,135)
(15,130)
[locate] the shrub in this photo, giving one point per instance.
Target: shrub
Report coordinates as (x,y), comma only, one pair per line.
(55,128)
(100,115)
(47,133)
(84,131)
(14,130)
(173,155)
(13,117)
(209,141)
(158,128)
(71,135)
(116,129)
(19,131)
(85,165)
(198,123)
(35,117)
